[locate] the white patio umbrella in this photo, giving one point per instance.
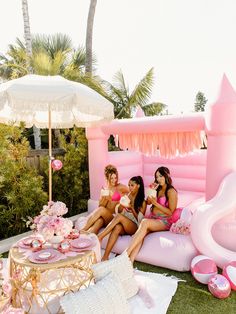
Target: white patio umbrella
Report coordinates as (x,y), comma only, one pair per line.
(52,102)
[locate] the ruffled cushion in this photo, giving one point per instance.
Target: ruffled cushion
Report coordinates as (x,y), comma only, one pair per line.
(182,225)
(123,268)
(105,297)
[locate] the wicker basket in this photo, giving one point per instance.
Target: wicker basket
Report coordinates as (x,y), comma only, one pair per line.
(3,302)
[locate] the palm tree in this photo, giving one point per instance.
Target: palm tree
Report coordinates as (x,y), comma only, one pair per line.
(125,102)
(89,36)
(51,55)
(27,35)
(14,63)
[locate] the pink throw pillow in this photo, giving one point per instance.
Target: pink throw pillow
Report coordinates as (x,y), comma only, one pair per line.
(176,214)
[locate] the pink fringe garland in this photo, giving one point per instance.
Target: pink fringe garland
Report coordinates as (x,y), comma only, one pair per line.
(170,144)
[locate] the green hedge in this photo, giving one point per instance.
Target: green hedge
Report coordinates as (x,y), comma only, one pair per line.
(71,184)
(23,191)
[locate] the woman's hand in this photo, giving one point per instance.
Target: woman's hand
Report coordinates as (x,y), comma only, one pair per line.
(148,200)
(129,208)
(104,200)
(152,200)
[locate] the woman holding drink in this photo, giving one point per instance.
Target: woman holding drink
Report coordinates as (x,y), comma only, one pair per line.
(109,198)
(163,206)
(130,212)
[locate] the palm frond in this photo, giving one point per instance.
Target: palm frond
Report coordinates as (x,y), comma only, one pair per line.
(20,43)
(59,42)
(51,43)
(119,83)
(41,63)
(39,43)
(155,108)
(79,57)
(44,65)
(143,90)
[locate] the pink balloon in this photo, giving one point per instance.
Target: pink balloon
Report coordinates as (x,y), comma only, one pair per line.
(56,164)
(229,271)
(219,286)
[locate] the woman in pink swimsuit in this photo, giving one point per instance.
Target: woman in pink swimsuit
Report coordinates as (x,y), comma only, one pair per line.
(128,217)
(160,217)
(101,216)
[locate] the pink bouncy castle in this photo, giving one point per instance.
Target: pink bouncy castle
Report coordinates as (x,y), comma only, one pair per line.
(205,178)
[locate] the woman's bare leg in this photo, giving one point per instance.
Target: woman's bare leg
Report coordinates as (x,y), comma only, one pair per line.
(117,230)
(99,212)
(146,226)
(97,226)
(129,226)
(109,227)
(135,251)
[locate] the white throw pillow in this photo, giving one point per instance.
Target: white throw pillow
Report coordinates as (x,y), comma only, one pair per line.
(105,297)
(123,268)
(186,215)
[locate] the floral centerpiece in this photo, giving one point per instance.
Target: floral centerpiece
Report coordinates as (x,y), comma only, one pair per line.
(50,222)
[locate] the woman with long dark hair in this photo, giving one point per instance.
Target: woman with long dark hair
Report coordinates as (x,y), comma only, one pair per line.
(129,214)
(162,208)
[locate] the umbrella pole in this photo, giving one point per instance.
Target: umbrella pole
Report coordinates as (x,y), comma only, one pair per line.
(50,155)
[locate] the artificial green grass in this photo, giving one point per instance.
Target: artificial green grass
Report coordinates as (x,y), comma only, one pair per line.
(192,297)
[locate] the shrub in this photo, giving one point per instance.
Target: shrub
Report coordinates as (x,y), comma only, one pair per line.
(21,187)
(70,185)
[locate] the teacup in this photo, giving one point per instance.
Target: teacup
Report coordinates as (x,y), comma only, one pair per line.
(105,192)
(125,201)
(64,246)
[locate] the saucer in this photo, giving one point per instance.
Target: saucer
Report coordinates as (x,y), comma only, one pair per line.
(25,243)
(45,256)
(81,243)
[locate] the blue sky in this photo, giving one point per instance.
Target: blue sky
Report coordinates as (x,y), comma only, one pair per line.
(190,43)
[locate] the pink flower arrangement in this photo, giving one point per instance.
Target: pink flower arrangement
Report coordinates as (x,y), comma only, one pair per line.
(54,209)
(50,222)
(181,227)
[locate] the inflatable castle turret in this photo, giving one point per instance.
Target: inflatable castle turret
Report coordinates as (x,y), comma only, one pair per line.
(221,138)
